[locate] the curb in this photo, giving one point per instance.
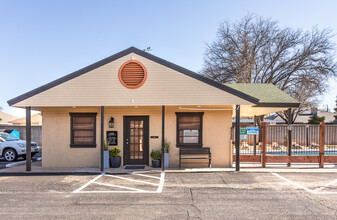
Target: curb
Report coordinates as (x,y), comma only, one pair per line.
(15,164)
(38,173)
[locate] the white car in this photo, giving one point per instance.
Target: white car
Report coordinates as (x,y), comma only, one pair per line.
(12,147)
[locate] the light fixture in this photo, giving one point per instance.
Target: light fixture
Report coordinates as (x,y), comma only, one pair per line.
(111,123)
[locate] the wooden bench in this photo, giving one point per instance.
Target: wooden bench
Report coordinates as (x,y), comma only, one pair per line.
(190,153)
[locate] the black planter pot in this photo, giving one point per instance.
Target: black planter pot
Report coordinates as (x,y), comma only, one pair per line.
(155,163)
(115,162)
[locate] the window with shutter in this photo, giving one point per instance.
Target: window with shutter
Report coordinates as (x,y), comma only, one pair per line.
(189,129)
(83,129)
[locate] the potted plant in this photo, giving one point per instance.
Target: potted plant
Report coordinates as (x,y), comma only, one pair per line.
(115,159)
(285,140)
(155,155)
(166,153)
(106,154)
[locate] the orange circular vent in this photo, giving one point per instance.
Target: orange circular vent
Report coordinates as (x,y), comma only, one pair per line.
(132,74)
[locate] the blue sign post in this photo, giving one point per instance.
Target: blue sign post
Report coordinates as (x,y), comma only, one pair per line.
(253,130)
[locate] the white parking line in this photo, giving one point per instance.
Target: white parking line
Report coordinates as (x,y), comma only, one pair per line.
(326,185)
(88,183)
(121,187)
(132,180)
(139,174)
(161,182)
(305,188)
(131,190)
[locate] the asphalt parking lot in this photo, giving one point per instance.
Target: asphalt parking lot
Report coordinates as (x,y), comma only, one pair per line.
(3,162)
(155,195)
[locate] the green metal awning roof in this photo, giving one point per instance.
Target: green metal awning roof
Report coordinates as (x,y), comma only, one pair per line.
(268,94)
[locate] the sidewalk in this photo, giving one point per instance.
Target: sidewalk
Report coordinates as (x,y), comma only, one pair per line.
(245,167)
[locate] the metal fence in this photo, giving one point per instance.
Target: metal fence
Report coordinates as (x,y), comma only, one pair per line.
(330,147)
(247,147)
(304,140)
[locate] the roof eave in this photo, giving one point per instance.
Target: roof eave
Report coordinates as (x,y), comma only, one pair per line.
(280,105)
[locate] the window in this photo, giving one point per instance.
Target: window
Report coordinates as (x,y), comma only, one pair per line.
(8,137)
(189,129)
(83,129)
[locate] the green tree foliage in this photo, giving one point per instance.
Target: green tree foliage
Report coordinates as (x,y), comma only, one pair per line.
(315,119)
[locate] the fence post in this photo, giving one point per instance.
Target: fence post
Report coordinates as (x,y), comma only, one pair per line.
(321,144)
(264,130)
(255,135)
(289,134)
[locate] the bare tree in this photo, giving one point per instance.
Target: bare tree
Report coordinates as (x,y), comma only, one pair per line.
(257,50)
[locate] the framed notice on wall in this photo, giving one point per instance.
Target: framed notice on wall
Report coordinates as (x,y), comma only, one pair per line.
(112,138)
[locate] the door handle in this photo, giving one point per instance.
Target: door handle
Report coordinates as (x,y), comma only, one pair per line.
(127,141)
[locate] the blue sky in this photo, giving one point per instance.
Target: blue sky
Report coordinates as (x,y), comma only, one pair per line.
(43,40)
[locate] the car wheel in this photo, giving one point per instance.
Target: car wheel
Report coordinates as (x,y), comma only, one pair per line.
(10,155)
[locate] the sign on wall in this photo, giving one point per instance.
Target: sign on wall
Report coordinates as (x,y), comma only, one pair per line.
(112,138)
(253,130)
(243,134)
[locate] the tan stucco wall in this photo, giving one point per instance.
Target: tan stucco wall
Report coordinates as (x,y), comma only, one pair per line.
(56,135)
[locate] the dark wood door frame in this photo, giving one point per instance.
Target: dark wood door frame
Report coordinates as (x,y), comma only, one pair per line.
(146,135)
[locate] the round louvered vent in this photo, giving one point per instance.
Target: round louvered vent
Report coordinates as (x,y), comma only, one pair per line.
(132,74)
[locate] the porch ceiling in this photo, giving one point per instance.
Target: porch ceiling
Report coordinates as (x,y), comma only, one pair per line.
(246,110)
(250,111)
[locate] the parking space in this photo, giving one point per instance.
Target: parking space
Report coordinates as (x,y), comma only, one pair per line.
(124,183)
(215,195)
(4,163)
(319,183)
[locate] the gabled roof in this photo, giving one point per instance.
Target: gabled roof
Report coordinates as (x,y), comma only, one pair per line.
(268,94)
(5,118)
(35,119)
(149,56)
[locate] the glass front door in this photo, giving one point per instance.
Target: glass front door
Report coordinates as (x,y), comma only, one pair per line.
(136,140)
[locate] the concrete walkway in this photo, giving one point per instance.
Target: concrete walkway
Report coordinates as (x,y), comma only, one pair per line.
(245,167)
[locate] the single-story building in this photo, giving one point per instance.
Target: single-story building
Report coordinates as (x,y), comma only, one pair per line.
(304,117)
(5,118)
(143,99)
(35,119)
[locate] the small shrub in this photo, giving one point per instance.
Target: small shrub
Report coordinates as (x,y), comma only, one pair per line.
(315,119)
(155,155)
(114,152)
(106,145)
(167,146)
